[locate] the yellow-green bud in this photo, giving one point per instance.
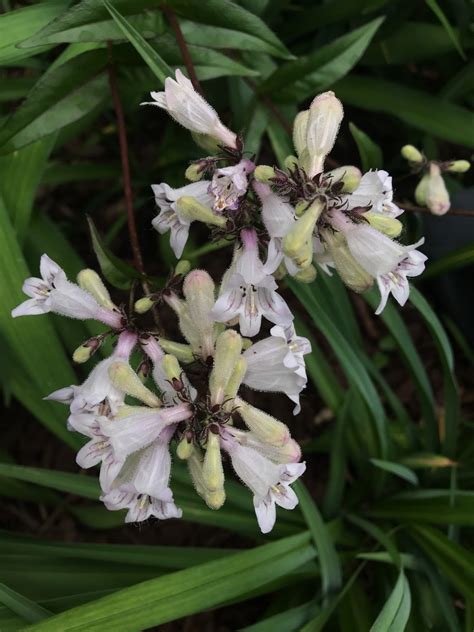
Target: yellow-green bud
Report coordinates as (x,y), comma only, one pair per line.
(82,354)
(264,426)
(291,162)
(212,470)
(349,175)
(90,281)
(195,471)
(350,271)
(420,191)
(300,125)
(234,382)
(171,368)
(144,304)
(215,500)
(264,173)
(411,153)
(307,275)
(301,207)
(458,166)
(387,225)
(246,343)
(125,379)
(182,267)
(183,352)
(302,230)
(194,172)
(185,448)
(209,143)
(193,210)
(228,350)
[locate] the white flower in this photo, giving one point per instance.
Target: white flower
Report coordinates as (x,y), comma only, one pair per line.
(188,108)
(323,121)
(269,482)
(375,190)
(322,256)
(229,184)
(169,217)
(142,485)
(396,280)
(250,293)
(54,293)
(276,364)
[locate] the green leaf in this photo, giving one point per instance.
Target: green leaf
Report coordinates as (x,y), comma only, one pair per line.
(438,11)
(289,620)
(156,64)
(185,592)
(394,615)
(419,109)
(458,258)
(84,486)
(225,38)
(428,506)
(64,94)
(399,470)
(338,461)
(227,14)
(16,26)
(117,272)
(331,574)
(309,74)
(370,153)
(22,606)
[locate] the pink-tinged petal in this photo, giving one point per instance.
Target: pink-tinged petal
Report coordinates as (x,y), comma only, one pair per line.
(109,470)
(31,307)
(274,307)
(36,288)
(165,510)
(290,472)
(401,291)
(384,287)
(178,239)
(285,497)
(64,395)
(265,511)
(153,471)
(91,454)
(50,271)
(228,305)
(129,434)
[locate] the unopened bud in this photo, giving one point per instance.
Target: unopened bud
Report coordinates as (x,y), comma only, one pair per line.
(349,175)
(302,231)
(325,116)
(228,350)
(194,172)
(300,126)
(246,343)
(126,380)
(90,281)
(144,304)
(195,471)
(264,173)
(209,143)
(349,269)
(234,382)
(412,154)
(458,166)
(434,191)
(182,267)
(185,447)
(301,207)
(264,426)
(193,210)
(215,500)
(291,162)
(86,350)
(387,225)
(199,291)
(307,275)
(144,370)
(212,470)
(183,352)
(171,368)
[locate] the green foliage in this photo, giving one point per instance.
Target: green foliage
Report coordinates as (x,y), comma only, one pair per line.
(392,507)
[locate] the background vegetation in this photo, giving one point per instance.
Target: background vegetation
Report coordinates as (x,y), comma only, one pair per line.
(384,537)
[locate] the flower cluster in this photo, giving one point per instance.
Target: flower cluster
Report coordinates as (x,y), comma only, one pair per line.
(191,397)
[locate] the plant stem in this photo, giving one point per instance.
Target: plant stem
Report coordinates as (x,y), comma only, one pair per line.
(421,209)
(127,185)
(183,47)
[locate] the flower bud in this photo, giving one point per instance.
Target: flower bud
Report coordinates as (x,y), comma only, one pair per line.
(182,267)
(144,370)
(411,153)
(349,175)
(144,304)
(264,426)
(302,231)
(234,382)
(350,271)
(458,166)
(207,142)
(436,193)
(212,470)
(325,116)
(300,126)
(291,162)
(228,350)
(199,291)
(86,350)
(215,500)
(126,380)
(185,447)
(194,172)
(193,210)
(264,173)
(171,368)
(195,471)
(301,207)
(387,225)
(90,281)
(307,275)
(183,352)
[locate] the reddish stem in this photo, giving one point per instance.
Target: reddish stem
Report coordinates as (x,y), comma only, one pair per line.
(421,209)
(127,184)
(183,47)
